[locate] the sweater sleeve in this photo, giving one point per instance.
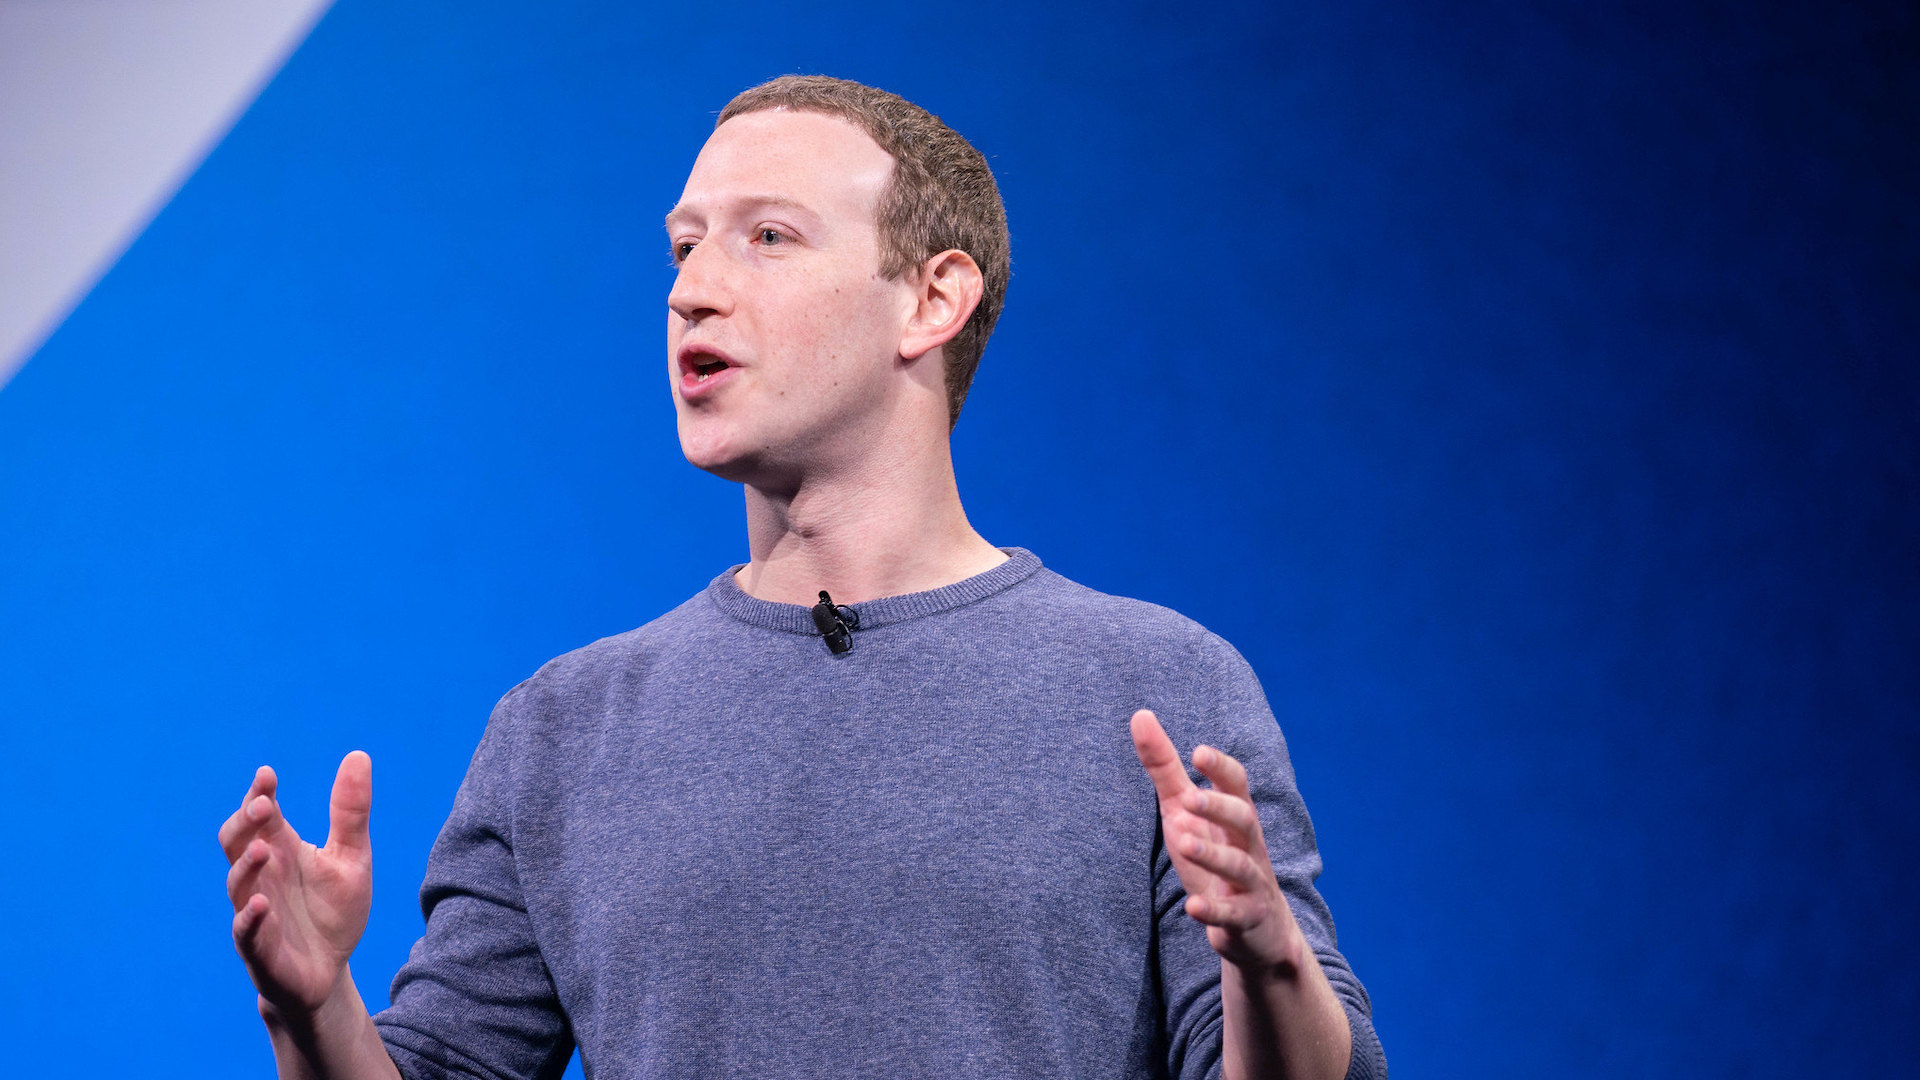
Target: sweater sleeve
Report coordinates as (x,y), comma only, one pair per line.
(1227,709)
(475,998)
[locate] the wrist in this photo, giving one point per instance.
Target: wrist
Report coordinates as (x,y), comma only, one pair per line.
(1282,965)
(304,1023)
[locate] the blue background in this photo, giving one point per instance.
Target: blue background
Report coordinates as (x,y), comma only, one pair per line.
(1529,391)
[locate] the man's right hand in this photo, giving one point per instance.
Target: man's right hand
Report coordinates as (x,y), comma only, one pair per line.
(298,909)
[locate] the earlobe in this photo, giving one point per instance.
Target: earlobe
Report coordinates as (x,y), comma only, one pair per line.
(946,291)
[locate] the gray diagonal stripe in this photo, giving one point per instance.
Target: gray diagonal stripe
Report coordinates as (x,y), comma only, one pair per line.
(106,107)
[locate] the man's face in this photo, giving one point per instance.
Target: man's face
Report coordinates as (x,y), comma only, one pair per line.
(782,336)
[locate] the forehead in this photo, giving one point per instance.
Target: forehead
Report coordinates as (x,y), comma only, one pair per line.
(821,162)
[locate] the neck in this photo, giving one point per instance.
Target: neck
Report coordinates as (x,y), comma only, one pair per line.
(890,525)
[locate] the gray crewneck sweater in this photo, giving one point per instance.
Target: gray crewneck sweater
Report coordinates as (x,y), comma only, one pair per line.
(709,847)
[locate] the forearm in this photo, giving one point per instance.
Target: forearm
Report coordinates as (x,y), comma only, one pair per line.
(337,1042)
(1284,1021)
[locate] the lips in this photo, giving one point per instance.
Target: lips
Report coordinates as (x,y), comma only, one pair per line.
(702,369)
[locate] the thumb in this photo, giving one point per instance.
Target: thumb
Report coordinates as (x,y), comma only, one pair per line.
(1158,756)
(351,807)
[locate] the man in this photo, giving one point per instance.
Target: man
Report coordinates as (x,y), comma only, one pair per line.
(865,806)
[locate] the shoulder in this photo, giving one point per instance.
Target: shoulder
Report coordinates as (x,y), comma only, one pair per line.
(1206,690)
(1161,635)
(584,675)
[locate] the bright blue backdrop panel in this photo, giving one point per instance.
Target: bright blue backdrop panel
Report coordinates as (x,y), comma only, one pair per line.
(1528,392)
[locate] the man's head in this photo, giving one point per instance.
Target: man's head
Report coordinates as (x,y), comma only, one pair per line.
(940,197)
(827,282)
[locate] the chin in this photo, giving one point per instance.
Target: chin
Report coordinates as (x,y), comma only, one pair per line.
(704,451)
(714,449)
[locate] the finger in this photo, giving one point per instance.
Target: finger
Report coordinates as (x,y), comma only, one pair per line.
(266,781)
(247,922)
(1157,754)
(1234,815)
(350,810)
(255,818)
(234,831)
(262,815)
(1221,768)
(1226,912)
(1224,861)
(1193,877)
(243,876)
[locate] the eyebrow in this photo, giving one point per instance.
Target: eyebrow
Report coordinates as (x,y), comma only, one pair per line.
(779,202)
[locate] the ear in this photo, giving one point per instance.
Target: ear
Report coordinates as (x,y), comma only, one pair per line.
(945,292)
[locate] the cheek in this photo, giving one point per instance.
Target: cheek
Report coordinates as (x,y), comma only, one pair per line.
(835,328)
(828,329)
(859,317)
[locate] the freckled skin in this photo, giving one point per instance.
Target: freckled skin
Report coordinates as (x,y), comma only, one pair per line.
(808,318)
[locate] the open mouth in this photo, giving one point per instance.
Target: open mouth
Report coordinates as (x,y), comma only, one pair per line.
(699,365)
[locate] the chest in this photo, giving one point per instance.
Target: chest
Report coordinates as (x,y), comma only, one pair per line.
(881,814)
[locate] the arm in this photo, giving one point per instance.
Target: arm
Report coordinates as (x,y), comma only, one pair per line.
(337,1041)
(475,997)
(1280,1016)
(299,911)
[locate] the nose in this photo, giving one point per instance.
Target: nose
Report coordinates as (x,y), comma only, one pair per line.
(700,288)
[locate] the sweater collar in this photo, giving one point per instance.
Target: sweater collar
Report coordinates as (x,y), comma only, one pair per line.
(726,594)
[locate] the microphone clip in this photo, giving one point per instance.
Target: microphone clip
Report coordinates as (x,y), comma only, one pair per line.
(836,624)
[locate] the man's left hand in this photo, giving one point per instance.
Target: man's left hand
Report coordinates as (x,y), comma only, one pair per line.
(1213,835)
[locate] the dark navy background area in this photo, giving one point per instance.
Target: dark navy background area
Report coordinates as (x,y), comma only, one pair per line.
(1529,391)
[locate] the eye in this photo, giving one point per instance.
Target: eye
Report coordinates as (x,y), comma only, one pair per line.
(772,236)
(681,250)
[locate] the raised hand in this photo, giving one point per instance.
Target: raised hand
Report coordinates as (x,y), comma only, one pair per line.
(1213,835)
(299,909)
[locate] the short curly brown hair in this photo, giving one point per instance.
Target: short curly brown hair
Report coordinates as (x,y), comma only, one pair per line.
(942,196)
